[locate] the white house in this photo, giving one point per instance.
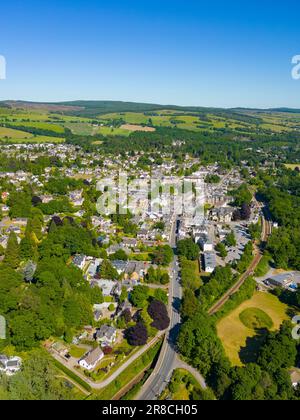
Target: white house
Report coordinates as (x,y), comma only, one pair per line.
(10,365)
(210,262)
(205,243)
(295,377)
(90,360)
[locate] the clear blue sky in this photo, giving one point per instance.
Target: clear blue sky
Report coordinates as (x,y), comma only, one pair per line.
(217,53)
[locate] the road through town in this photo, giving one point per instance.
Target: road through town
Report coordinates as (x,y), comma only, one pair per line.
(169,359)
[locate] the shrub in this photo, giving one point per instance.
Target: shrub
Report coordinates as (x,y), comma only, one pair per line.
(158,312)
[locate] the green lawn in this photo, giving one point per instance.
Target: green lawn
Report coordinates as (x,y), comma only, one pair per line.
(292,166)
(77,352)
(35,139)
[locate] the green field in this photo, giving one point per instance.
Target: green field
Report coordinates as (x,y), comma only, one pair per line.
(162,120)
(108,131)
(236,336)
(41,125)
(81,129)
(87,129)
(182,120)
(9,133)
(19,116)
(18,138)
(243,121)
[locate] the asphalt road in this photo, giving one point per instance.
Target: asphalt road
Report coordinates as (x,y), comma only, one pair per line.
(168,357)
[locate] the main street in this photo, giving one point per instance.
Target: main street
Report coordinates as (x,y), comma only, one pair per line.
(166,362)
(169,359)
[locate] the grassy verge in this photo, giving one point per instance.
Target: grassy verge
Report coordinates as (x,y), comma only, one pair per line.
(137,387)
(184,387)
(263,266)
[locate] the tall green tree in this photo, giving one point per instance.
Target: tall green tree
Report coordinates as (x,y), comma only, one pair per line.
(12,254)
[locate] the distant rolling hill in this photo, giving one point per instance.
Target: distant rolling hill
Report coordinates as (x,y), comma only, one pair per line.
(115,117)
(95,108)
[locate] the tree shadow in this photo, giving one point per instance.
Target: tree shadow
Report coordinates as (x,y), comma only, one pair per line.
(249,353)
(173,335)
(177,304)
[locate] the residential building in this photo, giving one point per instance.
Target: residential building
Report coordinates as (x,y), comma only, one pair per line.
(129,243)
(295,377)
(120,266)
(79,261)
(10,365)
(205,243)
(136,270)
(221,215)
(106,335)
(90,361)
(98,315)
(210,262)
(107,286)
